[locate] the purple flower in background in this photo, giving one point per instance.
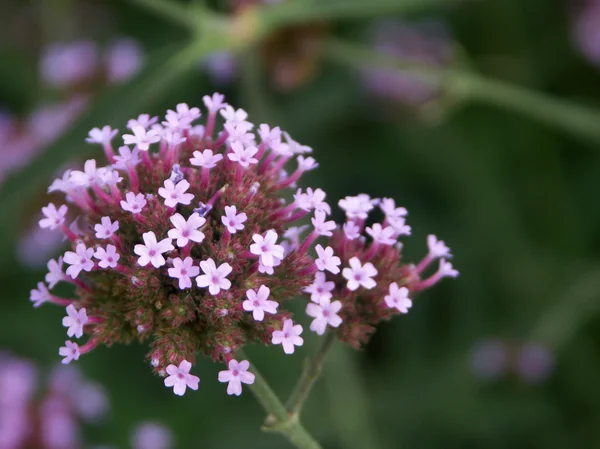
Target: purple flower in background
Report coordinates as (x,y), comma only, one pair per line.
(586,31)
(63,64)
(221,67)
(534,363)
(425,43)
(489,359)
(151,435)
(124,58)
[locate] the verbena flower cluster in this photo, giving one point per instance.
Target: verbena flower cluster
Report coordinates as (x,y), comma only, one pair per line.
(185,239)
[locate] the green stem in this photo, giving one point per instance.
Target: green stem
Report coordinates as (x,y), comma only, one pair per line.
(173,11)
(279,420)
(309,376)
(575,119)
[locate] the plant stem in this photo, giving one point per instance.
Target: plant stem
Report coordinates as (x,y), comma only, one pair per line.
(575,119)
(171,10)
(309,376)
(279,420)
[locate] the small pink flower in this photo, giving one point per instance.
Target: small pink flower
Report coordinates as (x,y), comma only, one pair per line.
(214,103)
(214,278)
(241,155)
(288,336)
(306,163)
(180,378)
(106,228)
(269,136)
(356,207)
(446,269)
(70,352)
(320,289)
(388,206)
(236,375)
(151,251)
(53,217)
(141,137)
(312,199)
(185,114)
(384,235)
(266,248)
(360,275)
(55,272)
(143,120)
(127,158)
(184,270)
(205,159)
(258,304)
(102,136)
(324,313)
(437,248)
(326,260)
(233,116)
(232,220)
(175,194)
(79,260)
(351,230)
(75,320)
(398,298)
(89,176)
(108,257)
(40,295)
(323,227)
(185,231)
(134,203)
(399,225)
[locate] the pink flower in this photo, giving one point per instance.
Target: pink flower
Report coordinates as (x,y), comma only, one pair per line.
(185,114)
(70,352)
(106,228)
(175,194)
(437,248)
(312,199)
(75,320)
(141,137)
(102,136)
(324,313)
(351,230)
(258,304)
(326,260)
(127,158)
(185,231)
(269,136)
(205,159)
(124,59)
(55,272)
(108,257)
(357,207)
(214,278)
(79,260)
(399,225)
(306,164)
(359,275)
(184,270)
(232,220)
(143,120)
(398,298)
(134,203)
(151,251)
(180,378)
(53,217)
(323,227)
(151,435)
(241,155)
(266,248)
(89,176)
(446,269)
(384,235)
(388,206)
(234,116)
(288,336)
(320,289)
(40,295)
(215,102)
(236,375)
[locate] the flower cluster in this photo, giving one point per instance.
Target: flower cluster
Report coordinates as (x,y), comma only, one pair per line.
(184,239)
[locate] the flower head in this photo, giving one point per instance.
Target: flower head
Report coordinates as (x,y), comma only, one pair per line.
(236,375)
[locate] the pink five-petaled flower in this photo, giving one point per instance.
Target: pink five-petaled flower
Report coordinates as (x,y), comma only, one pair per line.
(134,203)
(324,313)
(266,248)
(141,137)
(151,251)
(388,206)
(184,270)
(127,158)
(75,320)
(180,378)
(398,298)
(185,231)
(241,155)
(323,227)
(53,217)
(108,257)
(446,269)
(236,375)
(384,235)
(70,352)
(40,295)
(232,220)
(143,120)
(437,248)
(106,228)
(55,272)
(102,136)
(215,102)
(351,230)
(175,193)
(258,304)
(205,159)
(288,336)
(79,260)
(320,289)
(214,278)
(358,275)
(357,207)
(326,260)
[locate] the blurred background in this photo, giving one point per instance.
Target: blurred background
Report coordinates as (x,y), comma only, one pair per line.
(494,148)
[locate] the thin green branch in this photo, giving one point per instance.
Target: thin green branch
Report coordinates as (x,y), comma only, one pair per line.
(575,119)
(309,376)
(173,11)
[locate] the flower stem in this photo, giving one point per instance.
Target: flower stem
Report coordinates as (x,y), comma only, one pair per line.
(575,119)
(310,374)
(279,420)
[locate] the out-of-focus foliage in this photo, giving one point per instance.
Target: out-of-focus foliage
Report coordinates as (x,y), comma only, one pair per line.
(516,201)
